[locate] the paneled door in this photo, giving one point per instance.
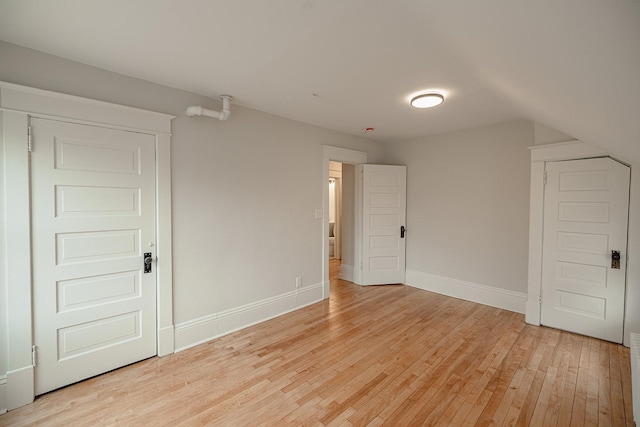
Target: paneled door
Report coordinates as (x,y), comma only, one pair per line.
(93,221)
(384,193)
(586,208)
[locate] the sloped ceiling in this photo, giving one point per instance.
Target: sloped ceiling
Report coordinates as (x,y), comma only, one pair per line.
(572,65)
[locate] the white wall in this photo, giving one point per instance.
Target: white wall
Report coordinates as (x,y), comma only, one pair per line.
(546,135)
(468,206)
(242,228)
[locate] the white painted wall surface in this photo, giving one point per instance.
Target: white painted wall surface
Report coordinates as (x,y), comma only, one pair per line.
(468,204)
(546,135)
(242,228)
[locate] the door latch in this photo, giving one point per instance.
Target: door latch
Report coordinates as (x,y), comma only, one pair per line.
(615,259)
(402,231)
(148,260)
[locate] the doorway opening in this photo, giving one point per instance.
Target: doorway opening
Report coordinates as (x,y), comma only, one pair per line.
(335,211)
(340,164)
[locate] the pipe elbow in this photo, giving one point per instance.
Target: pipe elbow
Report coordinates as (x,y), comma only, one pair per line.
(225,114)
(197,110)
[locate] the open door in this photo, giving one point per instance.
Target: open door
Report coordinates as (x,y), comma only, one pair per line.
(586,208)
(384,197)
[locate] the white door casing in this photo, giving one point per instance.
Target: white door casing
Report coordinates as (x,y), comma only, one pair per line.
(354,157)
(384,190)
(585,218)
(18,104)
(93,218)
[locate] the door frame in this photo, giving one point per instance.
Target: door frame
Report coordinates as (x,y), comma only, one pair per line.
(342,155)
(337,228)
(19,103)
(575,150)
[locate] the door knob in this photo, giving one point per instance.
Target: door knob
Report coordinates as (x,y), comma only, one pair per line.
(148,260)
(402,231)
(615,259)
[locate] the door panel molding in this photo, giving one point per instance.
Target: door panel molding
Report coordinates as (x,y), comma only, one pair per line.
(540,154)
(384,189)
(84,341)
(580,230)
(574,150)
(18,104)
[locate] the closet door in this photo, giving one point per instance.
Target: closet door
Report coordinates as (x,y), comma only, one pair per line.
(93,220)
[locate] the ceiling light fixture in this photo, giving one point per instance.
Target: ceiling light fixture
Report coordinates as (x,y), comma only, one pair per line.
(427,100)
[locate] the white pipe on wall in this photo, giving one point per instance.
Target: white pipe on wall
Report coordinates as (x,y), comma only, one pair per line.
(196,110)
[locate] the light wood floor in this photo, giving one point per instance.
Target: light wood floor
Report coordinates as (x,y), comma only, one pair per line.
(386,355)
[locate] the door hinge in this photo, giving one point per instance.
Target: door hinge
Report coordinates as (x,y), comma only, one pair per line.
(29,139)
(544,178)
(540,298)
(34,357)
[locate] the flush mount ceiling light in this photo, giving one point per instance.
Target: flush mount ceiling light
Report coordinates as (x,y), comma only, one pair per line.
(427,100)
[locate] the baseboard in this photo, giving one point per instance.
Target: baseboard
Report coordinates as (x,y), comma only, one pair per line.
(532,315)
(166,341)
(3,394)
(198,331)
(346,272)
(309,295)
(20,389)
(469,291)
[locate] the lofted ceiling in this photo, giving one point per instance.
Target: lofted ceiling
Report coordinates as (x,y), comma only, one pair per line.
(572,65)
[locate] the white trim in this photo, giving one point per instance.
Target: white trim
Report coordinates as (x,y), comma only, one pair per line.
(357,226)
(346,272)
(198,331)
(3,394)
(536,200)
(164,251)
(20,387)
(18,104)
(342,155)
(30,100)
(540,154)
(469,291)
(308,295)
(565,151)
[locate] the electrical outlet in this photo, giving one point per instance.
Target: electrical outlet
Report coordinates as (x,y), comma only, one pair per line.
(298,281)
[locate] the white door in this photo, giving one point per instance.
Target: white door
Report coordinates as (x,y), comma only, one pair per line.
(585,219)
(93,218)
(384,196)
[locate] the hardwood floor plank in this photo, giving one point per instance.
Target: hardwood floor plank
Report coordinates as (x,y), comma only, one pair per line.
(625,375)
(374,356)
(592,387)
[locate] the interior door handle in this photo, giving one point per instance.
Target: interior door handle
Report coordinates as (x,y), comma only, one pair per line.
(402,231)
(148,260)
(615,259)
